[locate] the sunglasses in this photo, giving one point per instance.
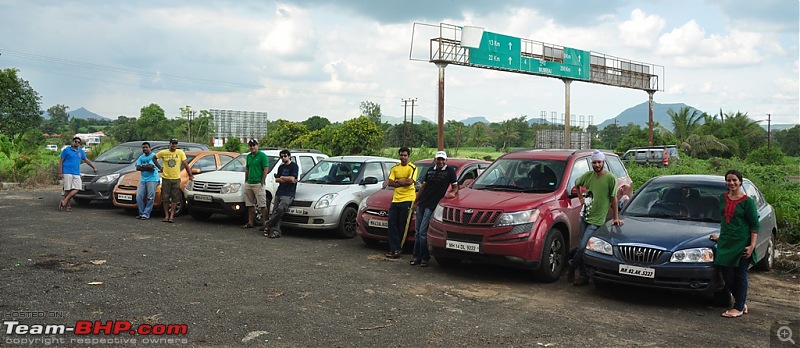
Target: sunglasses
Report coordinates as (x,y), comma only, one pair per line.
(76,141)
(285,156)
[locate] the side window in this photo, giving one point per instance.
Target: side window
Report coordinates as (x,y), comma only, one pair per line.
(206,164)
(616,167)
(580,167)
(641,155)
(387,167)
(306,162)
(752,191)
(373,169)
(224,159)
(468,173)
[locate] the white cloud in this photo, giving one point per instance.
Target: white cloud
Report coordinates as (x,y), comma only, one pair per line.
(641,30)
(689,47)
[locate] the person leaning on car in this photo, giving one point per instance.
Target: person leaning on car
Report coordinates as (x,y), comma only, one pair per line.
(255,175)
(172,159)
(146,190)
(434,186)
(286,177)
(402,177)
(601,187)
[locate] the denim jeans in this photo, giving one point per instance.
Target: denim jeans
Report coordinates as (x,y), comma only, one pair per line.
(421,237)
(282,204)
(736,281)
(398,216)
(145,195)
(577,260)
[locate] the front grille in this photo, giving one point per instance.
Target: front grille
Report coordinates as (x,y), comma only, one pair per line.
(471,217)
(639,254)
(205,186)
(87,177)
(301,203)
(128,187)
(295,219)
(462,237)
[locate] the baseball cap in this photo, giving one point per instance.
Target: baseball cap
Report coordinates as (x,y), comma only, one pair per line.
(441,154)
(173,141)
(252,142)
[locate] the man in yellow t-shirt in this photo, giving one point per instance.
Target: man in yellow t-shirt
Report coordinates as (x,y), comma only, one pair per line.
(171,160)
(402,177)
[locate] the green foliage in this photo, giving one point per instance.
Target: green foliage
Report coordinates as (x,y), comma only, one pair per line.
(765,156)
(282,133)
(314,123)
(19,104)
(789,140)
(360,136)
(153,125)
(371,111)
(234,145)
(123,129)
(22,157)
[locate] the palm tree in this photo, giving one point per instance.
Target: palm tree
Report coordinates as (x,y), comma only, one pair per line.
(684,123)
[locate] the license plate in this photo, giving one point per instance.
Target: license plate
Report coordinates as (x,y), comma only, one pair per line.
(637,271)
(121,197)
(379,223)
(203,198)
(471,247)
(296,211)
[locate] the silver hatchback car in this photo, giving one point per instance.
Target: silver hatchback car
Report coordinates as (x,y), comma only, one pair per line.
(328,195)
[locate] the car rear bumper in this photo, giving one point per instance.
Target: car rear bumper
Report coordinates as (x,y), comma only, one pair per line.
(691,277)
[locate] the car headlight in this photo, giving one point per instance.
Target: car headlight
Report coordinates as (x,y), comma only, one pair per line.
(600,246)
(518,218)
(230,188)
(693,255)
(325,201)
(437,213)
(108,178)
(189,185)
(363,204)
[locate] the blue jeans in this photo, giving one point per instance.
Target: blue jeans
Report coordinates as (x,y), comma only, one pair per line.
(421,237)
(398,216)
(736,281)
(146,191)
(577,260)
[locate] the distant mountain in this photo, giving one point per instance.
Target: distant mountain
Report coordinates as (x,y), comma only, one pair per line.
(639,115)
(81,113)
(475,119)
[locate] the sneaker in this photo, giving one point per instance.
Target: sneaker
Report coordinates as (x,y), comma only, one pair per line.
(275,234)
(393,254)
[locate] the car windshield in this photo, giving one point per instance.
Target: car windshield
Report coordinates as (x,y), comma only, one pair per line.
(333,173)
(120,154)
(239,164)
(522,175)
(422,168)
(678,201)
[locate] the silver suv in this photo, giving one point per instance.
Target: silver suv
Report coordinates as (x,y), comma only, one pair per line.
(222,191)
(328,195)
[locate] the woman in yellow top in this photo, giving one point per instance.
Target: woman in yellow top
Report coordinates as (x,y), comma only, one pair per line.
(736,242)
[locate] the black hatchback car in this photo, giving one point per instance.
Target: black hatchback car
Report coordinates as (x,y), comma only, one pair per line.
(664,242)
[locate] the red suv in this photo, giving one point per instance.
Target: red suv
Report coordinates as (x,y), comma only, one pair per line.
(523,211)
(373,212)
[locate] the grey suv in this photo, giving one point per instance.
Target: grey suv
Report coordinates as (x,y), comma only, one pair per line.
(118,160)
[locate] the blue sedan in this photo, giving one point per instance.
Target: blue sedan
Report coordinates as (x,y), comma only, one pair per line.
(664,242)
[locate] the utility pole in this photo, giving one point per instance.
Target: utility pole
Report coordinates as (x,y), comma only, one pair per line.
(769,134)
(190,115)
(406,132)
(405,110)
(411,132)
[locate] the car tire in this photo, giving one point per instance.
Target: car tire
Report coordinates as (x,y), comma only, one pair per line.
(347,223)
(722,298)
(182,206)
(554,256)
(767,262)
(447,261)
(370,242)
(199,215)
(82,201)
(259,219)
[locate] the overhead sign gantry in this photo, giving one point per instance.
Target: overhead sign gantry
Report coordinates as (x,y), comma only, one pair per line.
(475,47)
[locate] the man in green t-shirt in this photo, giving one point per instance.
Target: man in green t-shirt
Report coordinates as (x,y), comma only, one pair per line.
(601,193)
(255,174)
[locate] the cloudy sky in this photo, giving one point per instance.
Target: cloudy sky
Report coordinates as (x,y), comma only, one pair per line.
(295,59)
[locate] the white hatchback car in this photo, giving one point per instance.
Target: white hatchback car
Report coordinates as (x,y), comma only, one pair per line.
(328,195)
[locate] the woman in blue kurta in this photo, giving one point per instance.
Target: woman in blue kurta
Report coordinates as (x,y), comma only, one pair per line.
(736,242)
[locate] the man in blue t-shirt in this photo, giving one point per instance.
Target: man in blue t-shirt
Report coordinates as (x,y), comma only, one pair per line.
(286,177)
(146,191)
(70,171)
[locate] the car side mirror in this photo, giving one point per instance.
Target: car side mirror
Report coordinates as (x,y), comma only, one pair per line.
(467,183)
(370,180)
(196,171)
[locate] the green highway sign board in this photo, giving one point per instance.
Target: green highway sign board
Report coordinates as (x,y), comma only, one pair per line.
(503,51)
(497,51)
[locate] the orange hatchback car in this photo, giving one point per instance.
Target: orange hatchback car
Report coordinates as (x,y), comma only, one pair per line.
(124,194)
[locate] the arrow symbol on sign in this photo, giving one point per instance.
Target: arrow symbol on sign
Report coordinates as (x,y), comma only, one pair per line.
(510,60)
(510,46)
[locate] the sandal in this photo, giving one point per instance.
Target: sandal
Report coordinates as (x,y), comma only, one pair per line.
(60,205)
(414,262)
(424,263)
(248,226)
(165,220)
(745,310)
(69,207)
(729,314)
(171,220)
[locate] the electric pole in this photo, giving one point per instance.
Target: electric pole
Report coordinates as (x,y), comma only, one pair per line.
(405,119)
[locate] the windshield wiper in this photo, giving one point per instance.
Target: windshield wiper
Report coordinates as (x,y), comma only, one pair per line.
(504,187)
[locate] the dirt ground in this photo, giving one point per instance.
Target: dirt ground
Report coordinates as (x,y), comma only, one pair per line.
(233,287)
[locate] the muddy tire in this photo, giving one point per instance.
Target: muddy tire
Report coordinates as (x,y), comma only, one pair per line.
(554,257)
(768,261)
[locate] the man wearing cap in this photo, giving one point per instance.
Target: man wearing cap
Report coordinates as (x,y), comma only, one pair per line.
(255,174)
(601,194)
(172,159)
(434,186)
